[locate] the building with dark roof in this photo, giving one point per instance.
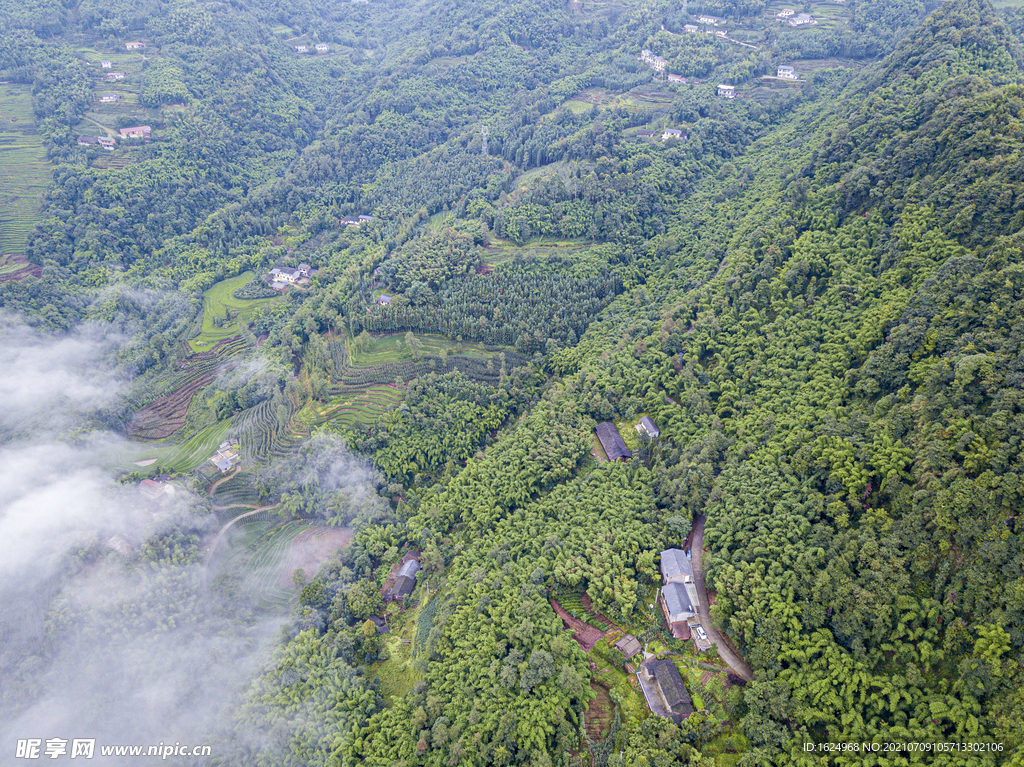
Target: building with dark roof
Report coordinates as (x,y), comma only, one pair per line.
(677,607)
(405,580)
(629,645)
(382,626)
(665,686)
(403,587)
(409,569)
(676,567)
(612,443)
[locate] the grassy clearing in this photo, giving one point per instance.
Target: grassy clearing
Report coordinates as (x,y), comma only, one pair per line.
(398,674)
(499,251)
(223,314)
(380,350)
(24,170)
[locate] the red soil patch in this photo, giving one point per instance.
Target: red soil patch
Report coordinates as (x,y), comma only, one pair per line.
(588,605)
(585,635)
(25,269)
(599,713)
(310,549)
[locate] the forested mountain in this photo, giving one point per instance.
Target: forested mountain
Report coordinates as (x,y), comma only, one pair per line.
(815,291)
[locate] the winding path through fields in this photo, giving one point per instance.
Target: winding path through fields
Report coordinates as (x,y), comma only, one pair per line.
(734,661)
(220,534)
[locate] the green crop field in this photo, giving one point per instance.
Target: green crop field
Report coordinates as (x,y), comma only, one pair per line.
(218,301)
(24,170)
(256,553)
(7,267)
(346,411)
(383,349)
(440,221)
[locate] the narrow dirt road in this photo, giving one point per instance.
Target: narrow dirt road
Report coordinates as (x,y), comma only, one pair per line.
(734,661)
(216,541)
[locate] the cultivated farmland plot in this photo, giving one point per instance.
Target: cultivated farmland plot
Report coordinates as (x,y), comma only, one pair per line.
(223,314)
(260,552)
(181,458)
(164,415)
(24,170)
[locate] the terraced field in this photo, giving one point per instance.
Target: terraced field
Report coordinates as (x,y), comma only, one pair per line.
(223,314)
(24,169)
(256,428)
(183,457)
(238,490)
(257,553)
(393,348)
(164,415)
(363,408)
(14,267)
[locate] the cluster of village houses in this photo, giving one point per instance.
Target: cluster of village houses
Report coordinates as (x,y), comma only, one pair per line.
(126,134)
(135,132)
(712,26)
(678,601)
(658,677)
(280,277)
(226,457)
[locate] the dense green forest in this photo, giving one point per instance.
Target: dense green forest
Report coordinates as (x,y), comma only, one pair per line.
(816,292)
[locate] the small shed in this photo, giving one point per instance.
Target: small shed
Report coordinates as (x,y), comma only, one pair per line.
(612,443)
(384,300)
(629,645)
(382,626)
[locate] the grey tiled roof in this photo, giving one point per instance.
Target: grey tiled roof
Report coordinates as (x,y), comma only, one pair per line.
(674,563)
(612,442)
(672,687)
(677,600)
(409,569)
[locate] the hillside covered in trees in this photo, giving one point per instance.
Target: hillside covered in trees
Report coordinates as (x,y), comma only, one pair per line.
(815,290)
